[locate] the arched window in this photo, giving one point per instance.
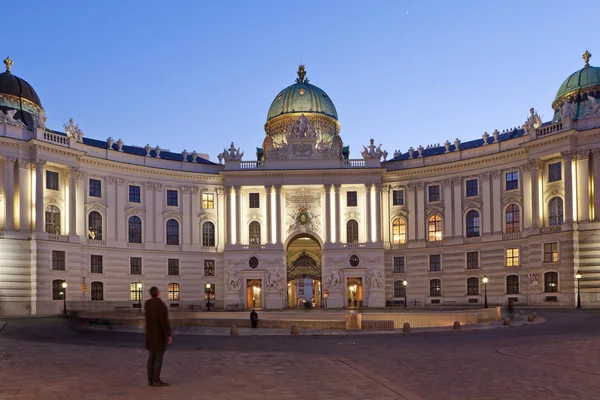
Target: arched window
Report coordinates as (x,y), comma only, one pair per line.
(472,224)
(173,291)
(399,289)
(135,229)
(513,219)
(95,226)
(254,232)
(135,291)
(352,231)
(97,291)
(172,232)
(551,282)
(57,290)
(53,220)
(435,287)
(434,228)
(512,284)
(556,212)
(398,231)
(473,286)
(208,234)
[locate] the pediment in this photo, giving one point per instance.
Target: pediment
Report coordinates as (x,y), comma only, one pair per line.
(435,210)
(172,214)
(472,205)
(512,199)
(95,206)
(400,213)
(134,210)
(352,215)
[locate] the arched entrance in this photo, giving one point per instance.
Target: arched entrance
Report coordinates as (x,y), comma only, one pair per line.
(304,272)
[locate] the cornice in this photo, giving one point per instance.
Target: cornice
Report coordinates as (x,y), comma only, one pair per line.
(303,172)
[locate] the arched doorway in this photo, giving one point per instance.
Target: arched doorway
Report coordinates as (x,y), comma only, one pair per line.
(304,272)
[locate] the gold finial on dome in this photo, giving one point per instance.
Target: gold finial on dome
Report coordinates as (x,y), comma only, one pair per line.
(586,57)
(8,62)
(301,74)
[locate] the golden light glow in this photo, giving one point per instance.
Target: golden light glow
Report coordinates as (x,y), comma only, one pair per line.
(574,188)
(33,197)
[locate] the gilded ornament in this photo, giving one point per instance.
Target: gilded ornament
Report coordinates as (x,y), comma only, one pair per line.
(586,57)
(8,62)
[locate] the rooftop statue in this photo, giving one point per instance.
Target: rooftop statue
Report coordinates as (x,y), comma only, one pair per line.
(592,108)
(232,154)
(533,122)
(373,151)
(567,111)
(302,128)
(72,130)
(9,118)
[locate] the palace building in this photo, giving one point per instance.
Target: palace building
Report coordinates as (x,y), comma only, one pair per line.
(93,224)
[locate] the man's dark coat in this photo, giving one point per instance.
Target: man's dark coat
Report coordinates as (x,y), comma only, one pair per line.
(158,328)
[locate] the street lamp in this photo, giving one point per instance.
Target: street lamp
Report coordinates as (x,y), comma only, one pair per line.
(578,277)
(64,286)
(139,295)
(404,283)
(485,282)
(207,286)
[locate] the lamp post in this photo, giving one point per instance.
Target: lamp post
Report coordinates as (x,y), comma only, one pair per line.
(578,277)
(207,286)
(404,283)
(485,282)
(64,286)
(139,295)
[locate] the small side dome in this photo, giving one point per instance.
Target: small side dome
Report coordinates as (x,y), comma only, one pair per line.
(17,94)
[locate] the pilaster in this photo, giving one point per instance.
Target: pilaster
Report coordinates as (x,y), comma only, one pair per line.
(328,213)
(385,197)
(412,216)
(338,214)
(39,195)
(377,188)
(568,182)
(420,211)
(447,187)
(238,214)
(496,206)
(583,186)
(228,214)
(24,196)
(278,227)
(368,211)
(487,202)
(596,183)
(457,202)
(268,190)
(72,174)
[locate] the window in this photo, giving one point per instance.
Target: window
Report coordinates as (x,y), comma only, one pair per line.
(435,287)
(95,188)
(135,292)
(550,252)
(512,257)
(208,234)
(97,291)
(53,220)
(472,224)
(435,262)
(554,172)
(51,180)
(473,286)
(434,193)
(434,228)
(399,289)
(254,200)
(512,284)
(398,231)
(173,291)
(352,231)
(398,197)
(209,292)
(135,265)
(96,264)
(95,226)
(472,189)
(209,267)
(58,260)
(556,212)
(208,201)
(57,289)
(172,232)
(173,266)
(399,267)
(254,232)
(512,180)
(351,199)
(172,198)
(135,230)
(513,219)
(551,282)
(472,260)
(135,194)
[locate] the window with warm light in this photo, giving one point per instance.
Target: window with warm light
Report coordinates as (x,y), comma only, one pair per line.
(398,231)
(208,201)
(512,257)
(135,291)
(551,252)
(173,291)
(434,228)
(513,219)
(551,282)
(209,267)
(209,291)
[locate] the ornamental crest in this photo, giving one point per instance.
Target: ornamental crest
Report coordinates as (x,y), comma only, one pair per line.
(303,219)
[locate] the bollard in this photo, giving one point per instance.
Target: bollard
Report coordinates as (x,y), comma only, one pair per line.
(295,330)
(456,325)
(531,318)
(233,331)
(506,322)
(406,327)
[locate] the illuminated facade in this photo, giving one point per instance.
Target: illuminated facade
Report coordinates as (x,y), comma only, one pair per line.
(518,207)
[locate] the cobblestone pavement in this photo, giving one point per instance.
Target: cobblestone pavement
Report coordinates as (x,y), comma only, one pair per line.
(48,359)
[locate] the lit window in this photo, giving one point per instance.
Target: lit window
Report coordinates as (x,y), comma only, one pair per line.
(135,292)
(95,226)
(173,291)
(398,231)
(512,257)
(208,201)
(209,267)
(53,220)
(435,228)
(254,232)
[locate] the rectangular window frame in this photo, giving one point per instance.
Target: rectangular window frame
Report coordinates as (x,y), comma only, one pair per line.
(52,180)
(472,187)
(173,267)
(511,180)
(399,264)
(434,194)
(472,260)
(59,260)
(510,288)
(352,198)
(473,290)
(253,200)
(398,197)
(208,201)
(555,172)
(510,257)
(550,253)
(135,266)
(95,187)
(96,264)
(209,267)
(172,198)
(435,265)
(133,196)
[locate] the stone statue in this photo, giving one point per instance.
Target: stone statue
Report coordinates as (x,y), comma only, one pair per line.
(334,280)
(533,122)
(40,121)
(373,151)
(376,279)
(567,111)
(274,281)
(233,280)
(592,108)
(231,154)
(9,118)
(72,130)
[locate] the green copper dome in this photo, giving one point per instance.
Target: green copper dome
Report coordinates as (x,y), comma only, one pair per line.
(585,77)
(302,97)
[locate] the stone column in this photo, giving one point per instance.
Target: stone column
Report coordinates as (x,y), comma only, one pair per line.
(72,173)
(111,220)
(328,213)
(526,171)
(120,201)
(9,170)
(24,196)
(583,186)
(186,207)
(568,182)
(80,209)
(457,202)
(421,206)
(596,182)
(228,214)
(535,213)
(377,237)
(385,221)
(486,220)
(159,207)
(39,195)
(220,215)
(150,213)
(447,185)
(278,214)
(238,214)
(412,216)
(194,211)
(369,230)
(338,214)
(496,206)
(268,189)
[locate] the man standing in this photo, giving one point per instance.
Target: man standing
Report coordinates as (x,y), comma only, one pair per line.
(254,319)
(158,335)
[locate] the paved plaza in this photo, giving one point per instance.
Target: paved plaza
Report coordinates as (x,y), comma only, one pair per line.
(558,359)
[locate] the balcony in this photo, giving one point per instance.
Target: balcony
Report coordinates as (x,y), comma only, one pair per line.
(435,243)
(91,242)
(511,236)
(353,245)
(57,238)
(550,229)
(399,246)
(209,249)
